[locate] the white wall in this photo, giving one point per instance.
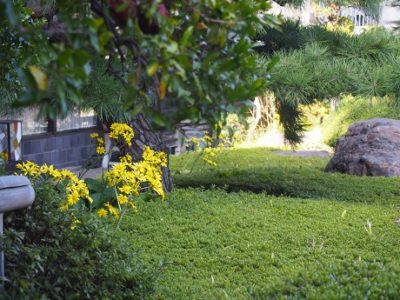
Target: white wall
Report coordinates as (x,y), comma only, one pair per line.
(389,16)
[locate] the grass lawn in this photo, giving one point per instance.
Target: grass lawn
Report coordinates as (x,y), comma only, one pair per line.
(260,170)
(212,244)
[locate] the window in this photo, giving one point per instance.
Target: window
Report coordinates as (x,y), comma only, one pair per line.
(358,16)
(10,140)
(31,123)
(78,119)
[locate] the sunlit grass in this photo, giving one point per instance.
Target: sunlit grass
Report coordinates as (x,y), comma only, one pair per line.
(217,245)
(260,170)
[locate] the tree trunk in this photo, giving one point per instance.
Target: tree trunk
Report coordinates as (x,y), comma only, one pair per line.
(145,136)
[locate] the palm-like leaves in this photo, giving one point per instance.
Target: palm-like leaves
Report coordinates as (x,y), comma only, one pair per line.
(318,64)
(104,94)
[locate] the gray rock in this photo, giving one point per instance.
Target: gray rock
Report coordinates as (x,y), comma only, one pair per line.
(15,192)
(370,148)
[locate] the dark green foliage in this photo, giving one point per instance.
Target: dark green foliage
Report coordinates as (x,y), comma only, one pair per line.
(197,64)
(289,115)
(286,37)
(317,64)
(46,259)
(11,49)
(104,94)
(218,245)
(293,3)
(259,170)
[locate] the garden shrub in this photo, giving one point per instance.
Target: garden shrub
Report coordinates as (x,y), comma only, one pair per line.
(53,254)
(118,189)
(354,109)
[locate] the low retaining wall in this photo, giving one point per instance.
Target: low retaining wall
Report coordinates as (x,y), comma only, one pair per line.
(61,149)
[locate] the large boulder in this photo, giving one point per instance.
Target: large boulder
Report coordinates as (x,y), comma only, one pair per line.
(369,148)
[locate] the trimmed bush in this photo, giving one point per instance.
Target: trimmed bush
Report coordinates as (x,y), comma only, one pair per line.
(52,254)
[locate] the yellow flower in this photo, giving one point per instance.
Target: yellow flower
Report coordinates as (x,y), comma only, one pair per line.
(153,157)
(73,198)
(207,138)
(75,222)
(100,150)
(112,210)
(126,158)
(196,143)
(67,174)
(122,199)
(75,190)
(209,161)
(29,168)
(122,131)
(102,213)
(64,207)
(4,155)
(94,135)
(126,189)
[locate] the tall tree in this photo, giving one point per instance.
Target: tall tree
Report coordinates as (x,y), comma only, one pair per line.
(317,64)
(176,60)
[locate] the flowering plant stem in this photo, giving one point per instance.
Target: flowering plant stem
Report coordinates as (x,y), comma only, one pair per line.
(121,215)
(195,161)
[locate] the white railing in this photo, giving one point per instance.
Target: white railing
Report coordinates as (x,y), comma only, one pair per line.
(358,16)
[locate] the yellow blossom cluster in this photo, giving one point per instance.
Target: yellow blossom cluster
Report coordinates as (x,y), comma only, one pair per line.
(207,138)
(131,178)
(29,168)
(204,146)
(76,188)
(122,131)
(155,158)
(127,178)
(75,222)
(196,143)
(100,148)
(209,155)
(4,155)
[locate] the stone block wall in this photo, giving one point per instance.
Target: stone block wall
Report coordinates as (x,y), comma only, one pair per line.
(61,149)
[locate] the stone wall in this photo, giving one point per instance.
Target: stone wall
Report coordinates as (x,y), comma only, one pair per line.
(61,149)
(73,148)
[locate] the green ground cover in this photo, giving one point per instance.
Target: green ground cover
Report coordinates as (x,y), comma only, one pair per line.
(214,244)
(259,170)
(218,245)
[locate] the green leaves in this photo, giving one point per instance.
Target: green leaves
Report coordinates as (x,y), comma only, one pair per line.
(90,260)
(172,66)
(186,36)
(100,193)
(316,65)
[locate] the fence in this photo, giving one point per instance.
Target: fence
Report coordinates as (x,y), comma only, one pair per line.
(358,16)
